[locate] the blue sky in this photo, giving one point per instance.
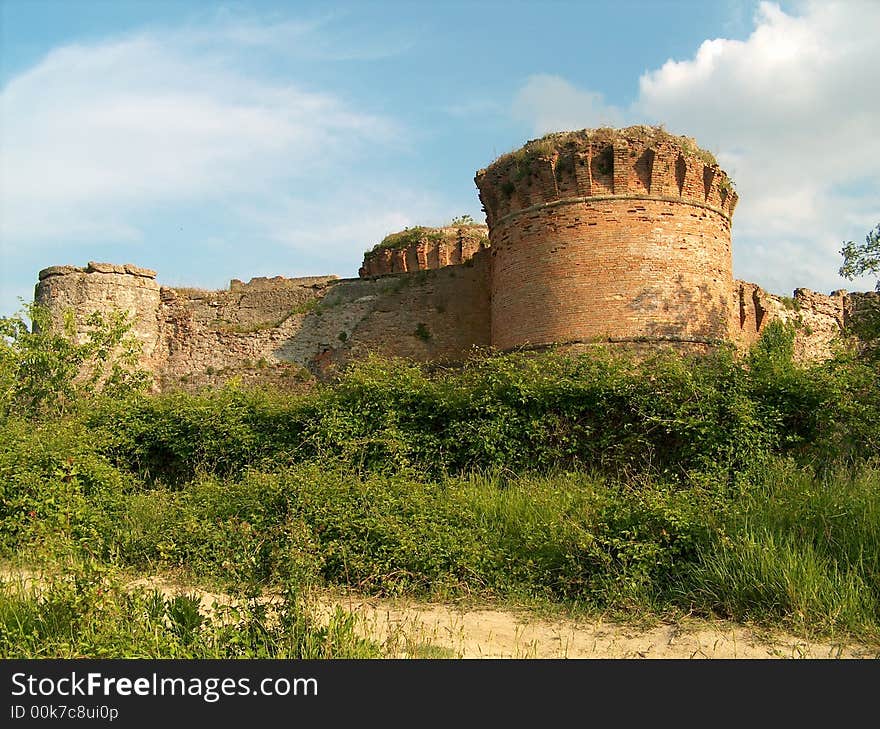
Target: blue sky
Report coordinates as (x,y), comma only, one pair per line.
(213,140)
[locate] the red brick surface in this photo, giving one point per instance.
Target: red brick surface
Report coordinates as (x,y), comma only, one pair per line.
(616,234)
(447,246)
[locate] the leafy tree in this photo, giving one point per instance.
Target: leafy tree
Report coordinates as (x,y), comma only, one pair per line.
(48,369)
(463,220)
(862,258)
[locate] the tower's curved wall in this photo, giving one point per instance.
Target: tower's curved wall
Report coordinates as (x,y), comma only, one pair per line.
(102,287)
(609,234)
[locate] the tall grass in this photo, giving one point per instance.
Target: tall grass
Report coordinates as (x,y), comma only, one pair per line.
(88,615)
(781,546)
(796,547)
(784,545)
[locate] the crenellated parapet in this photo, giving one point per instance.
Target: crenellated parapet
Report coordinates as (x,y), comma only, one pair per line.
(629,164)
(422,249)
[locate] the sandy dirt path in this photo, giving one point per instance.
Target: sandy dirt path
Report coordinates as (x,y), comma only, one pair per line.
(408,628)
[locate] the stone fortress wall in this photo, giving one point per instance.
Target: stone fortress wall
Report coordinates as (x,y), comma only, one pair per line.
(272,329)
(593,236)
(102,287)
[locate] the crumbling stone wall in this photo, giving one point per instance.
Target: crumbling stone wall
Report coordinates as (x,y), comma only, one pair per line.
(273,328)
(102,287)
(425,248)
(598,234)
(323,323)
(219,334)
(861,316)
(819,319)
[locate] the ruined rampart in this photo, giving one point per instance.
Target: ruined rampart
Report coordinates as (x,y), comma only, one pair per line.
(103,287)
(277,328)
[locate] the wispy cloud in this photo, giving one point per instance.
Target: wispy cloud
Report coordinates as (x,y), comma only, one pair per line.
(791,112)
(551,103)
(310,224)
(207,150)
(333,35)
(96,132)
(475,107)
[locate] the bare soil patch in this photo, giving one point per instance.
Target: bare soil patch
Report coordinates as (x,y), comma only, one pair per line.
(414,629)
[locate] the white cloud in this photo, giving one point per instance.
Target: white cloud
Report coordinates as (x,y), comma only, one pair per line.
(791,113)
(474,107)
(94,134)
(320,37)
(348,222)
(551,103)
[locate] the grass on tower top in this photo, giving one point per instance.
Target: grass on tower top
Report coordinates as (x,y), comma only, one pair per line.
(420,233)
(556,143)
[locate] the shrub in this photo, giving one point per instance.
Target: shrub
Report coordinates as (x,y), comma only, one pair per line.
(47,371)
(665,414)
(91,616)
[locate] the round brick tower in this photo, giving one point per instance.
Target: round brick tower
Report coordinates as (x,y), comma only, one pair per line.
(605,234)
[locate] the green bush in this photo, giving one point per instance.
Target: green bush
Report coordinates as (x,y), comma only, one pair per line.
(46,370)
(741,487)
(667,415)
(50,473)
(172,437)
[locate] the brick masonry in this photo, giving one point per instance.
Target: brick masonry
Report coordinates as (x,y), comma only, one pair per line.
(621,234)
(432,248)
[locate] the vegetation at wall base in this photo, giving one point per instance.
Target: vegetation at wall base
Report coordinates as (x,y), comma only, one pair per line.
(746,488)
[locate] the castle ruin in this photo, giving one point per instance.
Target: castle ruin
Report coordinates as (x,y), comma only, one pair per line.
(595,236)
